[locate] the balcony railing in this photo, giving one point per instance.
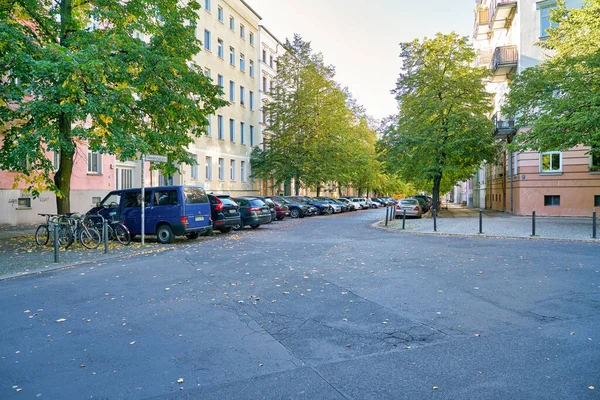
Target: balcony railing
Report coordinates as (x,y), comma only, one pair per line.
(504,62)
(501,14)
(504,127)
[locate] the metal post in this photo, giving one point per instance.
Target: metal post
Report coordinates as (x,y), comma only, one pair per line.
(434,220)
(387,211)
(533,223)
(480,221)
(594,224)
(105,235)
(403,219)
(142,201)
(56,245)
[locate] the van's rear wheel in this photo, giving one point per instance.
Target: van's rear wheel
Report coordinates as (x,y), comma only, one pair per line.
(164,234)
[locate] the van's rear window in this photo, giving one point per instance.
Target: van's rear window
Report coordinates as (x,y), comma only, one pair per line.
(195,196)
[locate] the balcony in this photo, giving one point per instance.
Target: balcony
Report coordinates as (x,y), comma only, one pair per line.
(504,63)
(482,26)
(503,129)
(502,13)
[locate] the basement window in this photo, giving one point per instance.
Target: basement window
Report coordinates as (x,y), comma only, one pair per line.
(551,201)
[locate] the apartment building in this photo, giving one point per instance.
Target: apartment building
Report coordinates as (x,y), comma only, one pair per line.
(229,31)
(551,183)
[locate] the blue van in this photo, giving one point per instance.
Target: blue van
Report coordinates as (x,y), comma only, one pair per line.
(169,211)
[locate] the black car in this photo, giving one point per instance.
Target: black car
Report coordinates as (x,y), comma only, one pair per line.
(271,205)
(423,202)
(254,212)
(322,208)
(297,210)
(224,212)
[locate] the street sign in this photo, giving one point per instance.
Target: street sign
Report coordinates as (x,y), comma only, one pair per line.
(156,158)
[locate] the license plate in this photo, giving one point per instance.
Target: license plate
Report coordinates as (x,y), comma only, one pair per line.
(200,218)
(231,211)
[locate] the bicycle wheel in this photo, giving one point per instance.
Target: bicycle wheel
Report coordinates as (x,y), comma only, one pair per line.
(42,235)
(65,235)
(89,237)
(122,234)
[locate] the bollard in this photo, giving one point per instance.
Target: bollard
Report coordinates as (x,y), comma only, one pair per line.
(56,233)
(594,224)
(533,223)
(434,220)
(403,219)
(480,222)
(387,211)
(105,235)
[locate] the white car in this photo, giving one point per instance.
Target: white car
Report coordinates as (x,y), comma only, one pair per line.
(361,201)
(353,206)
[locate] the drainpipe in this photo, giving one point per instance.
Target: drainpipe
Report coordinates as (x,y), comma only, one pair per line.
(511,181)
(504,183)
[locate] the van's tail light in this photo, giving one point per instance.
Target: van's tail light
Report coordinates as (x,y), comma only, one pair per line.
(416,208)
(254,209)
(219,206)
(184,221)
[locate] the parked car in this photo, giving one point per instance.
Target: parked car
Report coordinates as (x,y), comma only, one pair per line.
(322,208)
(224,211)
(345,206)
(423,202)
(361,201)
(282,210)
(351,205)
(372,204)
(380,201)
(297,210)
(271,205)
(169,211)
(334,207)
(253,211)
(411,206)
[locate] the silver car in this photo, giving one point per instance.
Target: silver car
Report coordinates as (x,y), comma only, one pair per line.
(411,206)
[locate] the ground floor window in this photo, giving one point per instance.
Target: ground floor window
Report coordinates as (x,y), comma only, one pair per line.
(551,162)
(124,178)
(552,200)
(596,201)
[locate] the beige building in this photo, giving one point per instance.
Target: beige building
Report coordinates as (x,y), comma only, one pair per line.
(553,183)
(229,31)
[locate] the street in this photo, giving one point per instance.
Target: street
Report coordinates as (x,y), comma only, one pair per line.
(316,308)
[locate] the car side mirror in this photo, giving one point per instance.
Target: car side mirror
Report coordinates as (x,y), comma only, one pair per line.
(97,204)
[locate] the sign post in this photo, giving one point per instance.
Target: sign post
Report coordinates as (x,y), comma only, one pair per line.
(150,158)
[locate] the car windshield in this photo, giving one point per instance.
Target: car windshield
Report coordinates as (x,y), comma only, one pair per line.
(112,200)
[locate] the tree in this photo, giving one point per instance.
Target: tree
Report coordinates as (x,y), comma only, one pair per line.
(442,132)
(308,119)
(76,71)
(559,99)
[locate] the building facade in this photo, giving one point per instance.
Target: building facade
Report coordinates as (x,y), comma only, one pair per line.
(552,183)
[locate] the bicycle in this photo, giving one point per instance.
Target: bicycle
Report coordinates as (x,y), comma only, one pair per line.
(83,229)
(116,228)
(42,233)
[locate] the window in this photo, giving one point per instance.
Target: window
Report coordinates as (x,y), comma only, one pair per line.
(207,5)
(231,130)
(94,163)
(24,202)
(165,198)
(552,201)
(596,201)
(232,170)
(242,95)
(207,72)
(220,13)
(251,135)
(56,160)
(209,126)
(271,61)
(193,25)
(208,169)
(550,162)
(221,169)
(242,31)
(251,100)
(242,133)
(251,68)
(243,171)
(271,86)
(124,178)
(165,180)
(220,82)
(251,39)
(545,7)
(194,171)
(264,83)
(232,23)
(242,63)
(264,58)
(220,48)
(264,117)
(232,56)
(231,91)
(220,127)
(207,40)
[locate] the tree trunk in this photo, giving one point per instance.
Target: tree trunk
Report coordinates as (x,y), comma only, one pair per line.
(436,191)
(318,190)
(297,186)
(62,178)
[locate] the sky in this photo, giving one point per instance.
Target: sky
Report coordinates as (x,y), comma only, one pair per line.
(361,38)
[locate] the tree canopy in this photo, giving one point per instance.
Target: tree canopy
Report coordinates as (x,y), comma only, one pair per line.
(117,76)
(442,133)
(560,97)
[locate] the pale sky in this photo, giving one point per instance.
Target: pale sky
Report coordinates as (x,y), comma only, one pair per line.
(361,38)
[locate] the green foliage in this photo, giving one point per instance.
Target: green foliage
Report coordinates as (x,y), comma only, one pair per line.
(67,83)
(442,134)
(560,97)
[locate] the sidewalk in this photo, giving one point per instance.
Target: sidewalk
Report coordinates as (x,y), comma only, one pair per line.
(20,255)
(460,220)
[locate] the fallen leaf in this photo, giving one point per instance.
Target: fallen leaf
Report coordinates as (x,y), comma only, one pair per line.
(61,320)
(132,343)
(180,380)
(591,387)
(435,388)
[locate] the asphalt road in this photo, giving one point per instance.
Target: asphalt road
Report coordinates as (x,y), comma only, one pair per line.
(318,308)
